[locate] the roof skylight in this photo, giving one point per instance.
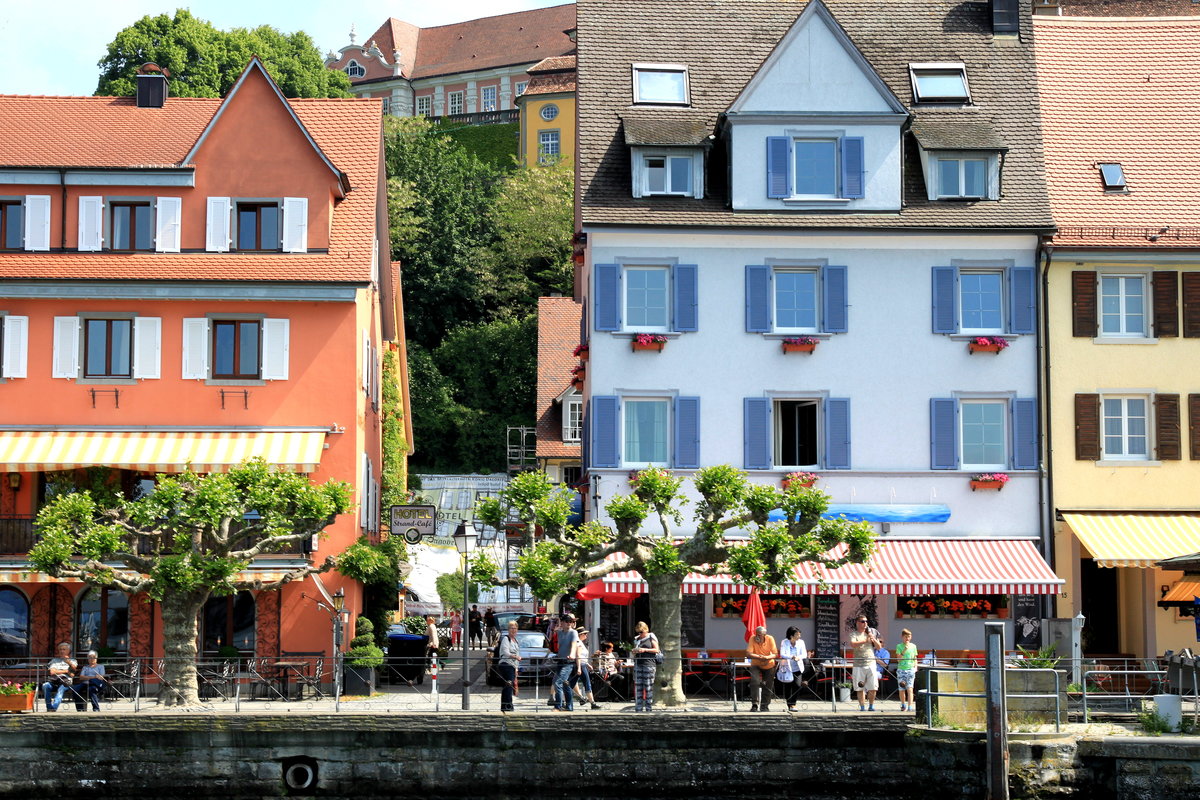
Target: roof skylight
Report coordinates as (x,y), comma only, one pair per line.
(939,83)
(1112,176)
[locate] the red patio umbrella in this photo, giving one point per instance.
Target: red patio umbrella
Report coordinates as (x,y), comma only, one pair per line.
(753,616)
(597,589)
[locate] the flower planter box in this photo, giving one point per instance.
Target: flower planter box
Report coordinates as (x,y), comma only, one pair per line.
(648,346)
(997,485)
(798,348)
(582,355)
(984,348)
(16,703)
(785,483)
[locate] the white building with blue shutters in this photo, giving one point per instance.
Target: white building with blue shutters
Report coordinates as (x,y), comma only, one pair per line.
(865,178)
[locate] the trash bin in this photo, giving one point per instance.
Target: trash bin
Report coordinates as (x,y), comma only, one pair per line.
(1170,708)
(406,656)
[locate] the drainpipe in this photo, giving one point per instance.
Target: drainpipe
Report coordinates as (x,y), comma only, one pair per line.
(62,181)
(1046,490)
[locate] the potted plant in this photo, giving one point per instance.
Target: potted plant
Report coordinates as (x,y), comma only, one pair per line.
(899,612)
(987,344)
(362,659)
(649,341)
(843,689)
(805,612)
(956,608)
(985,608)
(912,607)
(927,608)
(16,698)
(989,480)
(718,607)
(800,344)
(972,607)
(581,352)
(802,479)
(942,604)
(1002,607)
(578,373)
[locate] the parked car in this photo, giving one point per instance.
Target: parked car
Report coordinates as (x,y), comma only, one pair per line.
(525,621)
(535,660)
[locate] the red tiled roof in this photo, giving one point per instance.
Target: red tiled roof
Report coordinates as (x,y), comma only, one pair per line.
(114,133)
(494,41)
(558,333)
(396,34)
(1129,8)
(1121,90)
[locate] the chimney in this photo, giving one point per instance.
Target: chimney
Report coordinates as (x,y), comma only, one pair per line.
(1048,8)
(151,85)
(1006,17)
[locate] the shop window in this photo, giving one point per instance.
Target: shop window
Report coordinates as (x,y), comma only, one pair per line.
(102,621)
(14,625)
(228,621)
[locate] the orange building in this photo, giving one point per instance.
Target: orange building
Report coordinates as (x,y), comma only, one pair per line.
(189,281)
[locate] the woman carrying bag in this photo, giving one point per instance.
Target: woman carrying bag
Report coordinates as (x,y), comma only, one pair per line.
(792,655)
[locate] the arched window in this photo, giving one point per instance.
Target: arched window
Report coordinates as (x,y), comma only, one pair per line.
(14,624)
(355,70)
(102,620)
(228,621)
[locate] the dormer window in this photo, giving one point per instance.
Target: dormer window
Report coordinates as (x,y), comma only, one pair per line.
(962,177)
(660,84)
(815,167)
(939,83)
(355,70)
(960,160)
(1112,176)
(667,171)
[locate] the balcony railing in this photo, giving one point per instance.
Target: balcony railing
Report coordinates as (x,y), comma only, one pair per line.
(17,538)
(482,117)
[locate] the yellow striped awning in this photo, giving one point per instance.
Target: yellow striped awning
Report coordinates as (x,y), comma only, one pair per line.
(27,574)
(1135,539)
(1185,591)
(159,450)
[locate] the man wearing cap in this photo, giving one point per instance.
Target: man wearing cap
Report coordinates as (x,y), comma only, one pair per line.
(566,662)
(865,641)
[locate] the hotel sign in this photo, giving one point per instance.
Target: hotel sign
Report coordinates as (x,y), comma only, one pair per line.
(414,523)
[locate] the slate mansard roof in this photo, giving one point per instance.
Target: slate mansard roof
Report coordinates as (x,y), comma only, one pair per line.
(724,42)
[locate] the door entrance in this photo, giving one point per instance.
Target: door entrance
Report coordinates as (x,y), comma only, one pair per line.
(1098,591)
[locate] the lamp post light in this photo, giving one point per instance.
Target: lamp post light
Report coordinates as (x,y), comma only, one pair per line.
(464,540)
(339,606)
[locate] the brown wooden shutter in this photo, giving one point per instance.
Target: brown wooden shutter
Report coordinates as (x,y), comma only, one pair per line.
(1166,303)
(1087,427)
(1194,426)
(1191,305)
(1168,443)
(1083,304)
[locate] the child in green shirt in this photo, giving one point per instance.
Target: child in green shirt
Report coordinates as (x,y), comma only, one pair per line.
(906,669)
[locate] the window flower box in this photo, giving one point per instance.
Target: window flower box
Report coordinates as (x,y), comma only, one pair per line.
(16,703)
(989,481)
(581,352)
(987,344)
(578,373)
(648,341)
(800,344)
(802,479)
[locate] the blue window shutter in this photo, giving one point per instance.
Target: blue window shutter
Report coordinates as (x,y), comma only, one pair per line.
(756,440)
(945,300)
(943,433)
(758,298)
(607,296)
(835,316)
(1025,433)
(687,433)
(853,167)
(606,431)
(837,433)
(684,301)
(779,161)
(1022,294)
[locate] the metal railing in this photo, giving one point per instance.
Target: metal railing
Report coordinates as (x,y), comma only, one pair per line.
(928,694)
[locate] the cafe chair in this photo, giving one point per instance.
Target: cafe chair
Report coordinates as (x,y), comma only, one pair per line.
(261,680)
(312,681)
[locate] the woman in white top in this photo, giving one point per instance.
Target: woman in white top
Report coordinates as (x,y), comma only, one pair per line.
(583,670)
(792,655)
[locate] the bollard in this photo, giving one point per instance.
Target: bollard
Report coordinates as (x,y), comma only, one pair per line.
(997,711)
(433,689)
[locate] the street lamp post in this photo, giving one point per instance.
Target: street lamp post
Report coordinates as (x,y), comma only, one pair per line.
(339,604)
(464,540)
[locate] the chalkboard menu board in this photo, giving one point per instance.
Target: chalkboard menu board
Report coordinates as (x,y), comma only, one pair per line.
(692,617)
(828,621)
(610,624)
(1027,621)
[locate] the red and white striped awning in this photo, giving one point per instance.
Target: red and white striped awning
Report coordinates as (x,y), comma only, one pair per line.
(901,566)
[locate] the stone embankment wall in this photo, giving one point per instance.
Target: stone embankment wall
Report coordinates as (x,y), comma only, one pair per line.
(694,756)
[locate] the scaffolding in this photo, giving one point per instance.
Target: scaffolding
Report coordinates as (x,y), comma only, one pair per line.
(522,450)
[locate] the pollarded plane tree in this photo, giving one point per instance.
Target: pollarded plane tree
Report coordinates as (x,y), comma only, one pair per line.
(189,539)
(561,558)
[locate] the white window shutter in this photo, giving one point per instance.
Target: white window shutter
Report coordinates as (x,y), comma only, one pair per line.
(366,360)
(275,333)
(16,346)
(166,234)
(66,347)
(295,224)
(147,347)
(216,236)
(37,222)
(375,377)
(91,223)
(195,348)
(364,502)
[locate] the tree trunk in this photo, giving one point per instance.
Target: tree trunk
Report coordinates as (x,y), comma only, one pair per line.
(180,613)
(666,607)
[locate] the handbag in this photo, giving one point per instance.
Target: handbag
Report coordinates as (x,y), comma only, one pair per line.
(658,657)
(784,674)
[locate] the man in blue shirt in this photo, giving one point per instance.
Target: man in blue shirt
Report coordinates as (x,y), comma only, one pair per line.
(564,664)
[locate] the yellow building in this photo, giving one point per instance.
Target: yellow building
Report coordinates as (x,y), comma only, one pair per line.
(1122,336)
(548,112)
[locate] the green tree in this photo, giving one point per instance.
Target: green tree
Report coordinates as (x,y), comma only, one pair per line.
(534,220)
(205,62)
(187,540)
(443,231)
(568,557)
(394,480)
(450,591)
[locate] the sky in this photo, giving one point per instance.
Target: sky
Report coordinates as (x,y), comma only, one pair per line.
(51,47)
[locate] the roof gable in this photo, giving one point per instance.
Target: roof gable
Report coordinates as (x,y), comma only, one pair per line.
(255,72)
(816,68)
